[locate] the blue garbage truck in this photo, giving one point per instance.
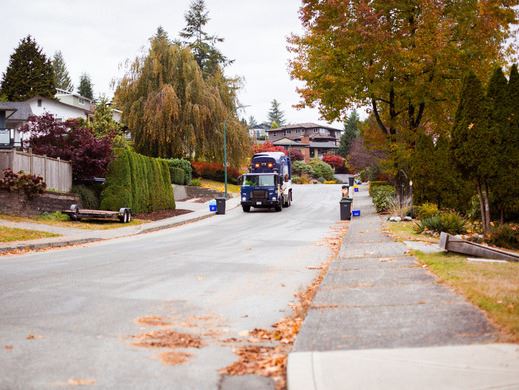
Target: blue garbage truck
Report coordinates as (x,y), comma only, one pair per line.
(268,183)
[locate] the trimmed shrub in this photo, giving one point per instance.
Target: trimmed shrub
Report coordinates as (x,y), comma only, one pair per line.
(504,236)
(374,184)
(88,195)
(449,222)
(30,185)
(427,210)
(299,168)
(321,169)
(330,182)
(337,162)
(177,175)
(185,165)
(296,180)
(383,197)
(139,182)
(196,182)
(296,155)
(215,171)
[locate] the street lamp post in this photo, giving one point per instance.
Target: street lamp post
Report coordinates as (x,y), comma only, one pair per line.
(225,155)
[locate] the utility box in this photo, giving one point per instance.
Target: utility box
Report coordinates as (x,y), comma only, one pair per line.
(220,206)
(345,206)
(351,181)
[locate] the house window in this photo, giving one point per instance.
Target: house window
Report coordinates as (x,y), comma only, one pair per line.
(289,131)
(39,102)
(82,101)
(316,130)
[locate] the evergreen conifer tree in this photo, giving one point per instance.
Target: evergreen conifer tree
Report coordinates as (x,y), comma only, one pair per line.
(351,131)
(276,116)
(474,144)
(252,122)
(512,139)
(499,123)
(86,87)
(203,45)
(28,74)
(61,75)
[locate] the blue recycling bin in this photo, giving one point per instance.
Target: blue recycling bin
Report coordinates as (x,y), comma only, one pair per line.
(212,206)
(355,213)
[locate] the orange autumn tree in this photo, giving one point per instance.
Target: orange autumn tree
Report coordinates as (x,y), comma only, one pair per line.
(404,59)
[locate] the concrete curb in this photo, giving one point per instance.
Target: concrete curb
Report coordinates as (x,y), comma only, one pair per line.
(172,224)
(48,245)
(74,242)
(444,367)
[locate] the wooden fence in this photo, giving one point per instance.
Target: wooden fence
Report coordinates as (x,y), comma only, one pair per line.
(56,173)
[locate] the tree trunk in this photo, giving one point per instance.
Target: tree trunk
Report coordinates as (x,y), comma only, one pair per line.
(502,215)
(486,207)
(481,204)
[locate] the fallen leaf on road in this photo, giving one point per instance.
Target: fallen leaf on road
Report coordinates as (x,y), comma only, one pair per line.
(152,321)
(8,347)
(167,338)
(31,336)
(174,358)
(81,382)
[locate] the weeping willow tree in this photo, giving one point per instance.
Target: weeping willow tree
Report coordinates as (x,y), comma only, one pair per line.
(173,111)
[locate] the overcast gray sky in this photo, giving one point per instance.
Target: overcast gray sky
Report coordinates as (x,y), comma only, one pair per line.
(95,36)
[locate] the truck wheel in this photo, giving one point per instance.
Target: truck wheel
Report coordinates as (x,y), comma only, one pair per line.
(245,208)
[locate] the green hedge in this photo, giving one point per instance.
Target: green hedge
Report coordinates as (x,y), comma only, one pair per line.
(88,195)
(185,165)
(139,182)
(178,175)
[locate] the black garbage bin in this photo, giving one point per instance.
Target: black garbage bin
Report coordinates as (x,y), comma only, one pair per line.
(351,181)
(345,204)
(220,205)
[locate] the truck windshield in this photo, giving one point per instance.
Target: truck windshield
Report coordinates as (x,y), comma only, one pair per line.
(258,181)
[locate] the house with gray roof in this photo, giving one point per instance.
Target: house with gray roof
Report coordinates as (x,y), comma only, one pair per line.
(311,139)
(14,114)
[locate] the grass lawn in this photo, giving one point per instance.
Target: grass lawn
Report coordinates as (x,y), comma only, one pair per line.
(62,220)
(493,287)
(218,186)
(403,231)
(8,234)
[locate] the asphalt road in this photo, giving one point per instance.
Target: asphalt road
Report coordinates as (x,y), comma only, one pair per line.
(66,316)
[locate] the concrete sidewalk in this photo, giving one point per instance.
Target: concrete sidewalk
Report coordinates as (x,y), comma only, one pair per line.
(77,236)
(391,325)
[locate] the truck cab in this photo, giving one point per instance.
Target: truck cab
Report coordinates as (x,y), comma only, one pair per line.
(268,184)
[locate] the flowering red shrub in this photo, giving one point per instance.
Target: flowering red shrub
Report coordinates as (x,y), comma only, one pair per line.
(69,141)
(335,161)
(267,147)
(296,155)
(214,171)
